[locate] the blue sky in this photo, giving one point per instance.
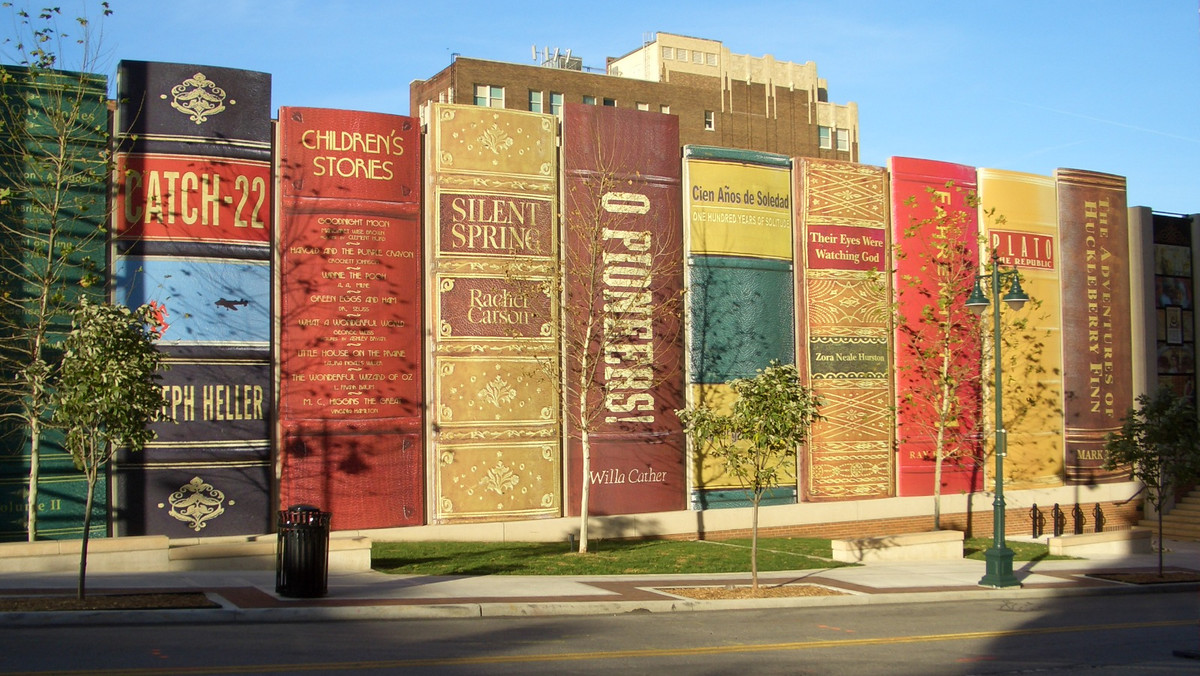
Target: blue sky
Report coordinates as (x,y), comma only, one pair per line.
(1026,85)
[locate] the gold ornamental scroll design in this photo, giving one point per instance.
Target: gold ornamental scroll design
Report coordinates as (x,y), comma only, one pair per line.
(502,267)
(480,139)
(496,184)
(199,98)
(849,469)
(517,479)
(196,503)
(853,410)
(847,307)
(841,193)
(489,393)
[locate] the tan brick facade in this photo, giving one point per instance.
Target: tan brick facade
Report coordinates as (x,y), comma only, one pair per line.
(716,109)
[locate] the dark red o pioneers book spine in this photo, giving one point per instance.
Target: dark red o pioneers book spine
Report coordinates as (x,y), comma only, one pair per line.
(349,332)
(622,222)
(1093,227)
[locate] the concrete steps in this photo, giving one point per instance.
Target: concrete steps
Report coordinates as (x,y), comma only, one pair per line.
(1182,522)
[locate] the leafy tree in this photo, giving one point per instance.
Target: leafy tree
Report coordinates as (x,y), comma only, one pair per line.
(939,397)
(107,391)
(1159,443)
(757,439)
(54,162)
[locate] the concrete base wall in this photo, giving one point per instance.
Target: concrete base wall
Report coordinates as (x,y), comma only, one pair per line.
(1108,543)
(929,546)
(350,551)
(156,553)
(970,513)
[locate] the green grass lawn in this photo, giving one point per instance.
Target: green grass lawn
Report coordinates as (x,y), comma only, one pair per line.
(625,557)
(975,548)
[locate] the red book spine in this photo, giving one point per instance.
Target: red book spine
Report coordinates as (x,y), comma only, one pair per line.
(916,289)
(622,329)
(349,248)
(1093,231)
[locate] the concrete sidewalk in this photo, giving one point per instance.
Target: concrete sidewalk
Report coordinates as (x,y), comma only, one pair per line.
(249,596)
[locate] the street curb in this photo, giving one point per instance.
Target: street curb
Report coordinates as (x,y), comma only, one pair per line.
(368,612)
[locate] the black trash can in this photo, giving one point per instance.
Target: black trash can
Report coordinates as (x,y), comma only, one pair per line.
(302,552)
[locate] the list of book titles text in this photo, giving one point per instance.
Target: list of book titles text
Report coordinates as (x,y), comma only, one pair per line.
(347,336)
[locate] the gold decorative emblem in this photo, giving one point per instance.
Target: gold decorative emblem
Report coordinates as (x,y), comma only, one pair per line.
(496,139)
(498,392)
(500,479)
(198,97)
(196,503)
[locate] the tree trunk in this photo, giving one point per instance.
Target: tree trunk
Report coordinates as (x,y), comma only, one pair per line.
(87,528)
(35,442)
(1160,535)
(940,445)
(585,490)
(754,542)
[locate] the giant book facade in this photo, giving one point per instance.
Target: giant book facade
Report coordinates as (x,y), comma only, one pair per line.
(844,328)
(1019,216)
(493,396)
(1097,339)
(738,225)
(46,115)
(622,323)
(192,220)
(935,229)
(350,313)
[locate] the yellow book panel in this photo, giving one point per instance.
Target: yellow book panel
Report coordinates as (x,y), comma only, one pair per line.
(738,210)
(507,480)
(708,473)
(494,392)
(474,139)
(1027,240)
(1029,202)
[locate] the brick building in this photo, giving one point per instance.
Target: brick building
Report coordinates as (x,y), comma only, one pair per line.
(722,99)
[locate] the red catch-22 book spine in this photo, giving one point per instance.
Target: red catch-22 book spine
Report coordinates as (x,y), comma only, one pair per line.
(350,311)
(622,223)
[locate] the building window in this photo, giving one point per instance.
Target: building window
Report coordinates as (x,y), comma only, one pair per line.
(535,101)
(590,100)
(711,58)
(611,103)
(643,106)
(825,137)
(489,96)
(710,120)
(664,109)
(666,52)
(698,57)
(556,103)
(843,140)
(681,54)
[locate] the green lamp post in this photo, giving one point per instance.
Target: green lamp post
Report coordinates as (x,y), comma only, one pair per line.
(999,559)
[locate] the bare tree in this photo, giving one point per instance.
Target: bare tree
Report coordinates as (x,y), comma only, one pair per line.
(619,285)
(940,341)
(54,163)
